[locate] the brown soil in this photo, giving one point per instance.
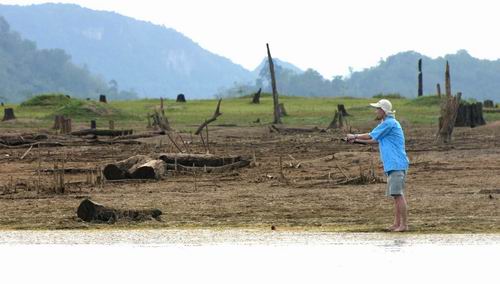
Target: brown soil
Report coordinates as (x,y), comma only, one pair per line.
(451,188)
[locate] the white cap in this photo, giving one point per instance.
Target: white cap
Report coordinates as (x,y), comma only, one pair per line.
(385,105)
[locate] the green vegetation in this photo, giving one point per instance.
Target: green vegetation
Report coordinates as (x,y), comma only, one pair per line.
(388,96)
(47,100)
(187,116)
(26,70)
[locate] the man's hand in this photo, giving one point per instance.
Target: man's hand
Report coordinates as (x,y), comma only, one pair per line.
(351,138)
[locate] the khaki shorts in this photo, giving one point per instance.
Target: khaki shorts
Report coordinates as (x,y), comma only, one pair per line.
(395,183)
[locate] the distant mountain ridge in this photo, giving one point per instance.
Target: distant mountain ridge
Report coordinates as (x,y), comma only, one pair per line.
(150,59)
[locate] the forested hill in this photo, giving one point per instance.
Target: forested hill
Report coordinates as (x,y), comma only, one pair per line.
(475,78)
(151,59)
(26,70)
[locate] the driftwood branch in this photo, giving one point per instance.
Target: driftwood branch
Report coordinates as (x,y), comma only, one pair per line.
(216,114)
(102,132)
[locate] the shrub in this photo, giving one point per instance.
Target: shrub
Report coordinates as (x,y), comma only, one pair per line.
(47,100)
(388,96)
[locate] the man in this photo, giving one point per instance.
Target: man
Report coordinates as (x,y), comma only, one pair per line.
(390,137)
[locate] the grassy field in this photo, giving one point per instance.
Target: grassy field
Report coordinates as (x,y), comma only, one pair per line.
(185,116)
(299,180)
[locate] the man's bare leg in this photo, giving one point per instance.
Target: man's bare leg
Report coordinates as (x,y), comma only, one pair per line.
(397,217)
(403,210)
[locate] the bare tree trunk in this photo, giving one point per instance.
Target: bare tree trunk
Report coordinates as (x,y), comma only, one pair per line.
(447,80)
(277,119)
(438,87)
(420,80)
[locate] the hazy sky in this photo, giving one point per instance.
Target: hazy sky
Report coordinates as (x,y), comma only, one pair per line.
(328,36)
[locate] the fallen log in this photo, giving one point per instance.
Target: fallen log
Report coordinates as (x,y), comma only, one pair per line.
(220,169)
(37,144)
(141,135)
(288,130)
(90,211)
(102,132)
(136,167)
(198,160)
(153,169)
(14,140)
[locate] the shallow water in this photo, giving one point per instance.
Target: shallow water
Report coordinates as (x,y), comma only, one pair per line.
(246,256)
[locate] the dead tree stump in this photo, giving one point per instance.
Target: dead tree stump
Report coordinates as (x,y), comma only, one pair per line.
(160,121)
(66,125)
(489,104)
(438,87)
(102,99)
(337,121)
(111,124)
(8,114)
(281,110)
(341,109)
(449,110)
(181,98)
(470,115)
(256,97)
(93,124)
(58,122)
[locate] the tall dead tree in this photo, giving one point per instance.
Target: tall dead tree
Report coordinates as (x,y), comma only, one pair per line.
(447,80)
(438,89)
(277,118)
(420,80)
(256,97)
(449,110)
